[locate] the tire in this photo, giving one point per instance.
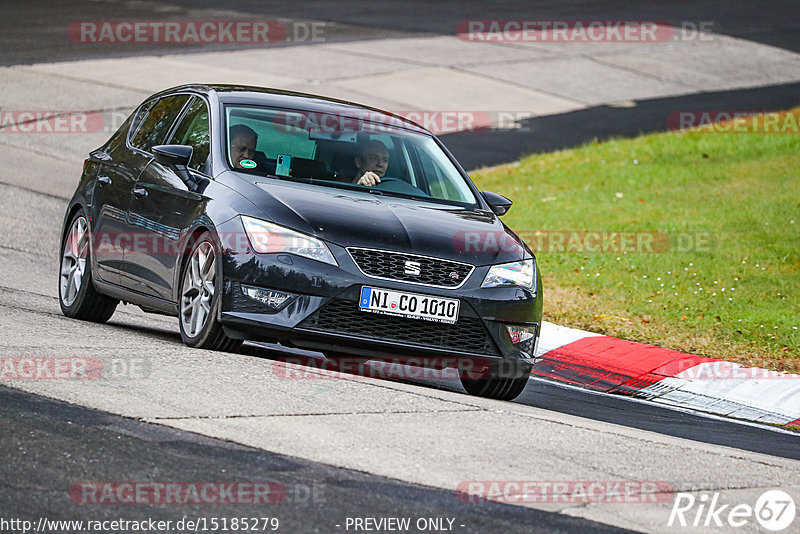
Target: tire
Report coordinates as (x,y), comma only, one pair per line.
(501,383)
(200,297)
(76,292)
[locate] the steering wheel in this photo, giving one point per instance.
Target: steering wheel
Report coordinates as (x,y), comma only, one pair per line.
(398,185)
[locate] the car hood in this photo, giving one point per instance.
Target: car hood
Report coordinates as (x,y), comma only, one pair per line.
(356,219)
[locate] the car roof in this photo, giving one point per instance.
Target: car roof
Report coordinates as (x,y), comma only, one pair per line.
(264,96)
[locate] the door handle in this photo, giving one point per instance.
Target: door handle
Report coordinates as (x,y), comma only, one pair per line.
(104,180)
(139,192)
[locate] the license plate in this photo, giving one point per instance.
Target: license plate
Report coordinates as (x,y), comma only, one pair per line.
(425,307)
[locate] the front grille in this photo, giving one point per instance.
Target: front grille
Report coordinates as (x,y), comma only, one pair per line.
(343,317)
(393,266)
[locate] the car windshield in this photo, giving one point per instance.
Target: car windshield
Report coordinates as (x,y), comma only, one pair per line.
(350,150)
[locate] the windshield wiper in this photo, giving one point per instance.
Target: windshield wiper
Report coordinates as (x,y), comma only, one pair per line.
(346,186)
(396,194)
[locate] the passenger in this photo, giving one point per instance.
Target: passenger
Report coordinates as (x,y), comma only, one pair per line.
(371,162)
(243,144)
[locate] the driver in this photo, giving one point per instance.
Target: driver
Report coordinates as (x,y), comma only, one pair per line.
(371,162)
(243,144)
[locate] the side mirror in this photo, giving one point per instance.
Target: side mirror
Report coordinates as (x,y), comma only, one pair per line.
(173,155)
(176,157)
(499,204)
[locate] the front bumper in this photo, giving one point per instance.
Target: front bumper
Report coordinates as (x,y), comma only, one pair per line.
(323,312)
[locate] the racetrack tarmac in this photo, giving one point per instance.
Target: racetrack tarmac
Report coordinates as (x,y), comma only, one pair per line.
(380,448)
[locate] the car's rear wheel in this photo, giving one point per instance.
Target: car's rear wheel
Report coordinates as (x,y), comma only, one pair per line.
(76,292)
(502,383)
(200,298)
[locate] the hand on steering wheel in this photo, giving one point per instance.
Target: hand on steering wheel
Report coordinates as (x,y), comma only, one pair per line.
(369,179)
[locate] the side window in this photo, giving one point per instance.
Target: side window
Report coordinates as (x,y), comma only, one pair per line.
(193,131)
(157,123)
(275,138)
(437,181)
(144,109)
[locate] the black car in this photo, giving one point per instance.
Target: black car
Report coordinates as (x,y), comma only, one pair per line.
(258,214)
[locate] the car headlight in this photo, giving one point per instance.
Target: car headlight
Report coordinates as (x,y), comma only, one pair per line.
(518,273)
(267,237)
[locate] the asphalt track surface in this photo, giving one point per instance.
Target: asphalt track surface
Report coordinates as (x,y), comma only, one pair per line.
(33,33)
(48,445)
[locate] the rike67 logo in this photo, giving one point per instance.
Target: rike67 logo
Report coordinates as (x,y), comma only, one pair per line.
(774,510)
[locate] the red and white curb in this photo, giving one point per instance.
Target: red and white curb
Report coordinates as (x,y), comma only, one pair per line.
(664,376)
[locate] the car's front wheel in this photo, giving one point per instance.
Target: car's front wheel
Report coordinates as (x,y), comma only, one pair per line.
(76,293)
(503,382)
(200,297)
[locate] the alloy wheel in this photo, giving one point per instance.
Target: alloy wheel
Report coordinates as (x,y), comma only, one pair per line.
(73,261)
(198,289)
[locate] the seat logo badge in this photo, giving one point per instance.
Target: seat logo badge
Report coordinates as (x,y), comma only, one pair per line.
(412,268)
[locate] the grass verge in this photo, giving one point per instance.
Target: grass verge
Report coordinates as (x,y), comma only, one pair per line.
(698,235)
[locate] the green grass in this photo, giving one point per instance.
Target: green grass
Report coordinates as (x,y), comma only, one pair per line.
(742,190)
